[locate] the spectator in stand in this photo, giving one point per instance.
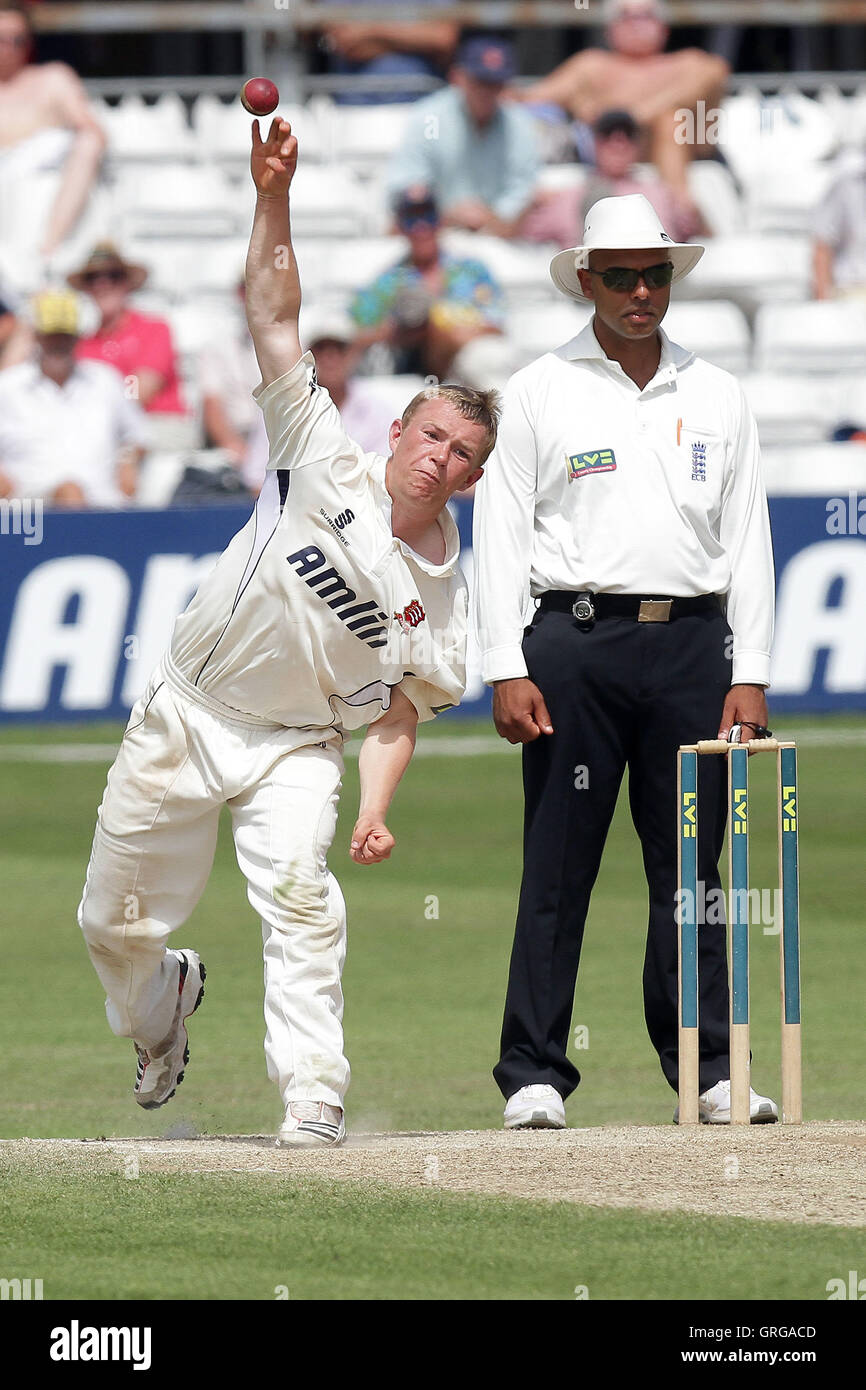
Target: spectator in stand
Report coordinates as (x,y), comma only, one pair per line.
(559,215)
(839,231)
(439,315)
(51,147)
(139,347)
(477,154)
(617,140)
(227,376)
(68,433)
(367,418)
(389,50)
(636,75)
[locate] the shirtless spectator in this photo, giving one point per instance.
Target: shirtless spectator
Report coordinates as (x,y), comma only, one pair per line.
(51,145)
(637,76)
(389,50)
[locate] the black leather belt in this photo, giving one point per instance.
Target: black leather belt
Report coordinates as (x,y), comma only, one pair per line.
(587,606)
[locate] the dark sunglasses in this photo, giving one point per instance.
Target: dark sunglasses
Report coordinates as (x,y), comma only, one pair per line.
(427,215)
(114,277)
(623,278)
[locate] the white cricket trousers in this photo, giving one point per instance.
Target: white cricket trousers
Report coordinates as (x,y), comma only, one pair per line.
(179,762)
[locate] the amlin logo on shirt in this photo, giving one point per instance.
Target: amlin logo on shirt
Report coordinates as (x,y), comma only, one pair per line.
(600,461)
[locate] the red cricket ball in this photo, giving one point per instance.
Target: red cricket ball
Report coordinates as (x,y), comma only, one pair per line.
(259,96)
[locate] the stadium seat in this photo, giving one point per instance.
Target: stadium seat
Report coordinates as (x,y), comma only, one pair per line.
(536,329)
(716,330)
(791,410)
(713,188)
(750,270)
(365,136)
(761,133)
(176,200)
(814,336)
(138,131)
(792,472)
(328,201)
(784,199)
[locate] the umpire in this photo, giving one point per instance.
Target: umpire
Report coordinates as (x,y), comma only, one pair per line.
(625,497)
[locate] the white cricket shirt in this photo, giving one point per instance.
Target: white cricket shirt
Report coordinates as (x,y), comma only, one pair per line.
(52,434)
(596,484)
(315,611)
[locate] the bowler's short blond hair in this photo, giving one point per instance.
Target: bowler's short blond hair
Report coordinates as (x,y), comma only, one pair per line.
(481,407)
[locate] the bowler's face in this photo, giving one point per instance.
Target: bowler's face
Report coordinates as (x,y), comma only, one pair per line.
(631,314)
(434,455)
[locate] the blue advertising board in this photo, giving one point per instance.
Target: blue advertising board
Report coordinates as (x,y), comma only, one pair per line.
(87,603)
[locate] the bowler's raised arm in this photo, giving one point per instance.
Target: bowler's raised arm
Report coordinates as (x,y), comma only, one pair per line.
(273,300)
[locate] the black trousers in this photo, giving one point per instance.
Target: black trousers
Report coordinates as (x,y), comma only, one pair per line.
(621,695)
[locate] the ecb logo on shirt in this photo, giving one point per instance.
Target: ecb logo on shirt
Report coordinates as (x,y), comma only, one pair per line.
(699,462)
(601,461)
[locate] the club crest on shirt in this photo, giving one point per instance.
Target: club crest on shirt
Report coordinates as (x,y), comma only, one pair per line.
(699,461)
(599,461)
(412,615)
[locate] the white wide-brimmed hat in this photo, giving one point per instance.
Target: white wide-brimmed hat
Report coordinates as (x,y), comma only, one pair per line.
(627,223)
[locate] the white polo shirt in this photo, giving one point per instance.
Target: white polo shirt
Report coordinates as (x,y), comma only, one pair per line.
(596,484)
(52,434)
(315,611)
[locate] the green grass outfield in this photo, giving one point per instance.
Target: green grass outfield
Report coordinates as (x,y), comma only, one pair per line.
(423,1009)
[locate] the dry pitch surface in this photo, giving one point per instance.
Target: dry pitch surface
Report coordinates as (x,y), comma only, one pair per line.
(814,1173)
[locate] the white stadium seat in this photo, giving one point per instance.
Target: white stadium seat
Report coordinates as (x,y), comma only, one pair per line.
(757,134)
(137,131)
(178,200)
(715,329)
(750,270)
(365,136)
(792,472)
(539,328)
(785,199)
(791,409)
(328,201)
(713,188)
(814,336)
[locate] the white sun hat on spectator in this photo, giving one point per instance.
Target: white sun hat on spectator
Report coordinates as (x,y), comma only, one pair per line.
(321,324)
(627,223)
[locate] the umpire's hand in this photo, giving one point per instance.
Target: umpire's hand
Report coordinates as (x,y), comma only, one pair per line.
(519,711)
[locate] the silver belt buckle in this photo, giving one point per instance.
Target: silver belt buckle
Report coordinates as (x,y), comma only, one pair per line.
(655,610)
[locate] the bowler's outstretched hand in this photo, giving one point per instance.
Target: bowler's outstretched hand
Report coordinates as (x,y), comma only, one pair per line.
(273,161)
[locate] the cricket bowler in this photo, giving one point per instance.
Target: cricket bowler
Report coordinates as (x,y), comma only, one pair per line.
(339,606)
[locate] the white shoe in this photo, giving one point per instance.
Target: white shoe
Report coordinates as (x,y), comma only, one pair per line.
(310,1123)
(535,1107)
(160,1070)
(714,1107)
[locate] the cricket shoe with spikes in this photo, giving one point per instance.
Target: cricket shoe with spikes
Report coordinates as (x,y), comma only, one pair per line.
(714,1107)
(160,1069)
(535,1107)
(311,1123)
